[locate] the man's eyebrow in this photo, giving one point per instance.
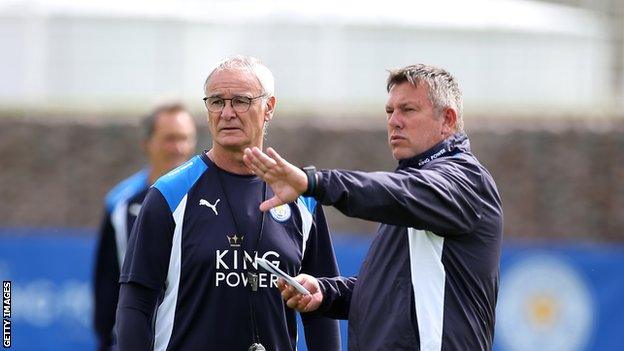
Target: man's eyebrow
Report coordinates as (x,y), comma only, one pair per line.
(410,104)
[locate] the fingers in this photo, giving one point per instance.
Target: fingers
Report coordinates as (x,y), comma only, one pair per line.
(309,304)
(270,203)
(281,284)
(289,293)
(295,299)
(252,166)
(257,161)
(275,156)
(301,303)
(277,173)
(262,158)
(294,302)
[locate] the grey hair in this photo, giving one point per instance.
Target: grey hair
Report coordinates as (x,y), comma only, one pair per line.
(247,64)
(444,92)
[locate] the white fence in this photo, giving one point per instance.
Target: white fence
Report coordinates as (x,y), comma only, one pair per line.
(517,56)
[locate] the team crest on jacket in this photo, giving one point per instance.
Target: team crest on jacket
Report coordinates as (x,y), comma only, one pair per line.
(280,213)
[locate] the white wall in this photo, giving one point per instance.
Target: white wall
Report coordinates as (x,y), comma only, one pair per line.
(116,61)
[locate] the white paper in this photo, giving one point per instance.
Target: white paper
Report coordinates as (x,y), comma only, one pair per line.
(271,268)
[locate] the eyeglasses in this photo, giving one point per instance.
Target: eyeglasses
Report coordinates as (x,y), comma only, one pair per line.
(240,104)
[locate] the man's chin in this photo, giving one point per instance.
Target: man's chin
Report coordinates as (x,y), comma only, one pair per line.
(397,153)
(229,142)
(402,154)
(237,142)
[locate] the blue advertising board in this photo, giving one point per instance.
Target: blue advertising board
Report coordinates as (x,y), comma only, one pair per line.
(561,297)
(555,296)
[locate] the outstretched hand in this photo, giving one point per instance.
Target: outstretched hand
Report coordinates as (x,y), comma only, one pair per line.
(286,180)
(295,300)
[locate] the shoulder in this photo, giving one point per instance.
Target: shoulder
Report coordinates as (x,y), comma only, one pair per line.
(126,189)
(175,184)
(465,168)
(461,161)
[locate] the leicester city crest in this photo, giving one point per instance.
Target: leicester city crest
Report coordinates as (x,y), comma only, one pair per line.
(545,304)
(280,213)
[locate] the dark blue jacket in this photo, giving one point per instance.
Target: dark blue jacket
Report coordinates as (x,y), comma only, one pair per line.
(430,278)
(185,279)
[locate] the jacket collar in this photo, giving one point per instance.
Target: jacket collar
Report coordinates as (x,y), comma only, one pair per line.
(452,145)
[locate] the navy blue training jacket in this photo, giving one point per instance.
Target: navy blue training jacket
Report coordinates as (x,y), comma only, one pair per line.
(430,278)
(185,283)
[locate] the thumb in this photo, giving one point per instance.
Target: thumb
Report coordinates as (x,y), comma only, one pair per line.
(270,203)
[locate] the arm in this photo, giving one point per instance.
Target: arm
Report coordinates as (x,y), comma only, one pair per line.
(144,272)
(444,198)
(105,283)
(134,317)
(329,296)
(337,293)
(321,333)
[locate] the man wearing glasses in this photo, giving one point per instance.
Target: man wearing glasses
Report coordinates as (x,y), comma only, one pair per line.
(190,280)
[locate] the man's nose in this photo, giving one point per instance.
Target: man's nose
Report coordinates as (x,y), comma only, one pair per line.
(228,110)
(395,120)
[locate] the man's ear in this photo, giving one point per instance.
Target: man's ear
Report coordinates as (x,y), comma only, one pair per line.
(270,108)
(449,123)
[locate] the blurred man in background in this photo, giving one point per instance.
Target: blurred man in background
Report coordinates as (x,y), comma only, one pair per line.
(169,138)
(430,278)
(189,280)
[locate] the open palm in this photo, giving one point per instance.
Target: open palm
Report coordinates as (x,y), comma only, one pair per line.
(286,180)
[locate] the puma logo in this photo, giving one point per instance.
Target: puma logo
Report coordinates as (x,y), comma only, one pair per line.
(203,202)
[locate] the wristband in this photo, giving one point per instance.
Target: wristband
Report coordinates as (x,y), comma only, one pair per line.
(310,172)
